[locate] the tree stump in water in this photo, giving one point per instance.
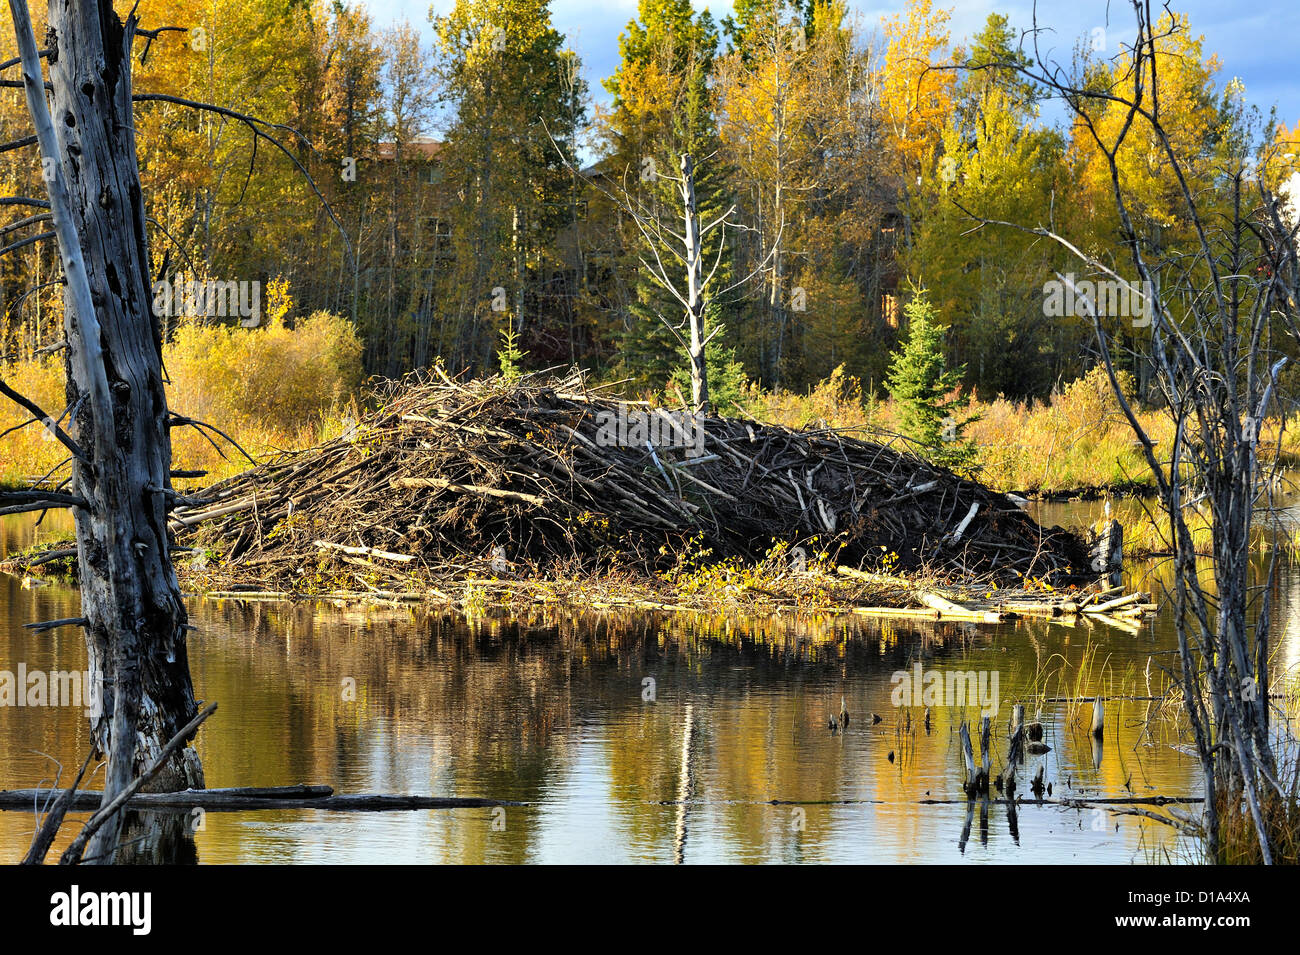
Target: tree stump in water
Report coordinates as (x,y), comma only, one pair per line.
(1098,718)
(1106,550)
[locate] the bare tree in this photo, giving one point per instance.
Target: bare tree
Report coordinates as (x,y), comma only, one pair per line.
(696,290)
(686,248)
(1212,312)
(118,432)
(118,422)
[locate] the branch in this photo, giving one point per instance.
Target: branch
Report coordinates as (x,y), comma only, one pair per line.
(50,423)
(256,126)
(30,240)
(179,420)
(44,837)
(29,220)
(72,855)
(47,625)
(40,54)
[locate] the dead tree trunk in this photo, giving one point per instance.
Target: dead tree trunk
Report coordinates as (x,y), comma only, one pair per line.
(136,621)
(694,289)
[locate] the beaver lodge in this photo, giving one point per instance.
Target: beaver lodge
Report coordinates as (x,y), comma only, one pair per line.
(516,487)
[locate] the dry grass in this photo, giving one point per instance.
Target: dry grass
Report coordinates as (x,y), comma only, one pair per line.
(1076,440)
(272,388)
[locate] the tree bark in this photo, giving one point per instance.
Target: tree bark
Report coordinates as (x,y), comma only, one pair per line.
(136,621)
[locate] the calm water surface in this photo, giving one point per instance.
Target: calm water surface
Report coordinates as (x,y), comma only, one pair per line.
(549,709)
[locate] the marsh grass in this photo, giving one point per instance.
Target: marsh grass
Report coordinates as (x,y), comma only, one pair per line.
(1147,535)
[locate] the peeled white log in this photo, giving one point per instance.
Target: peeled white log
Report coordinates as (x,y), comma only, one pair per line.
(965,522)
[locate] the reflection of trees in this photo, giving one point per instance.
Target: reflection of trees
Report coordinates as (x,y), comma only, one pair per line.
(547,708)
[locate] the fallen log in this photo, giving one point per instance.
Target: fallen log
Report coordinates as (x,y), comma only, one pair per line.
(948,610)
(248,799)
(941,604)
(1134,598)
(1039,608)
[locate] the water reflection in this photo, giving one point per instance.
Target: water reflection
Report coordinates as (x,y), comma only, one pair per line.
(639,737)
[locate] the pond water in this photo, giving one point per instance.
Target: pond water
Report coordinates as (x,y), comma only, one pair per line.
(731,760)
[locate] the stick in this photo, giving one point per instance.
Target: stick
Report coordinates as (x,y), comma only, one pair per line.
(471,489)
(72,855)
(366,552)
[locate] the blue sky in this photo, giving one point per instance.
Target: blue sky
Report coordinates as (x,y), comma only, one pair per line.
(1255,41)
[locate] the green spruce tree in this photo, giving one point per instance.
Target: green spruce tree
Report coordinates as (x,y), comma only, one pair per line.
(920,381)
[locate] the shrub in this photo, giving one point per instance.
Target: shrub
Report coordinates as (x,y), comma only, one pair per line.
(254,377)
(269,388)
(31,451)
(837,401)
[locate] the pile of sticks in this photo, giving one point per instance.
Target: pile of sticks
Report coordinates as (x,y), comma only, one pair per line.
(485,476)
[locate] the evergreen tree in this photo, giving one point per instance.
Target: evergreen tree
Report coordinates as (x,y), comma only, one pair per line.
(920,381)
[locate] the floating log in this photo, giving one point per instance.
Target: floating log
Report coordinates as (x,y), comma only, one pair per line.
(948,610)
(941,604)
(980,616)
(1135,598)
(1099,594)
(245,799)
(246,594)
(1040,608)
